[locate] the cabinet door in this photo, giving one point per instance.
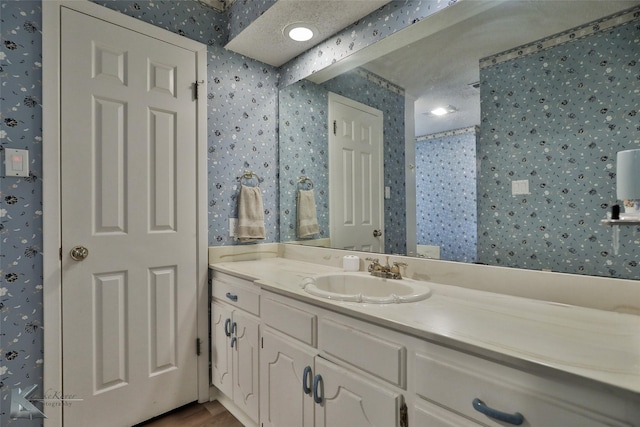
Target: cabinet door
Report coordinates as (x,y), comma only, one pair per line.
(221,371)
(283,402)
(350,400)
(245,363)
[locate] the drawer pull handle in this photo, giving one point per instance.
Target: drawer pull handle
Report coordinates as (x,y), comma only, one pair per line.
(226,327)
(232,297)
(233,341)
(515,419)
(234,327)
(318,389)
(306,380)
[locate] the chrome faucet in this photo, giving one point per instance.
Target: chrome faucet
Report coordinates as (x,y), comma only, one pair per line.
(385,271)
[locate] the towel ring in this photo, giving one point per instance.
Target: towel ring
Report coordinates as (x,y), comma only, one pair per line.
(303,179)
(249,175)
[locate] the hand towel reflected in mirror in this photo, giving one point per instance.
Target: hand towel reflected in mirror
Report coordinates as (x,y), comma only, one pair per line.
(250,214)
(307,217)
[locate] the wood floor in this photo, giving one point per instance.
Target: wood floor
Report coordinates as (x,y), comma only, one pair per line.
(210,414)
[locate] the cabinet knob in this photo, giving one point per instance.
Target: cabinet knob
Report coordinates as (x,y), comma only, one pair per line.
(515,418)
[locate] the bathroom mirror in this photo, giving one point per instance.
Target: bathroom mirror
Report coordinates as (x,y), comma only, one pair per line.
(518,225)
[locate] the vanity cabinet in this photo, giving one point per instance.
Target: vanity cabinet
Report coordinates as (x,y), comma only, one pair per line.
(301,386)
(235,341)
(319,367)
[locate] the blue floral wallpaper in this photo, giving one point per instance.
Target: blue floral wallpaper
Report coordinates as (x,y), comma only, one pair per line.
(303,122)
(557,118)
(446,207)
(21,328)
(243,120)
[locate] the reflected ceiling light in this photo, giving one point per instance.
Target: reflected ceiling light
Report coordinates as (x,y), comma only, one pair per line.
(299,32)
(441,111)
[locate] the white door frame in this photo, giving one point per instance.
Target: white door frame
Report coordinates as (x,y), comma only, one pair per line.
(52,266)
(410,174)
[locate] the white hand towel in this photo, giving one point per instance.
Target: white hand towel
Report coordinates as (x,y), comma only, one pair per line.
(307,217)
(250,214)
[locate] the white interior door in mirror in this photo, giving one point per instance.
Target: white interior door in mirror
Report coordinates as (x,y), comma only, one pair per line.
(355,175)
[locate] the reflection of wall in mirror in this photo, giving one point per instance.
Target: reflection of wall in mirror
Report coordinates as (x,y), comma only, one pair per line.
(303,151)
(303,147)
(557,118)
(446,208)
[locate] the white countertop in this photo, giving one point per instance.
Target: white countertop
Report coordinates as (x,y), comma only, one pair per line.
(597,345)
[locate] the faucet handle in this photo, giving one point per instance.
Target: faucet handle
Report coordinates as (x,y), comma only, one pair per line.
(374,266)
(395,270)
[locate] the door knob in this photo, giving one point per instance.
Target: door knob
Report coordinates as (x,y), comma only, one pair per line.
(377,233)
(78,253)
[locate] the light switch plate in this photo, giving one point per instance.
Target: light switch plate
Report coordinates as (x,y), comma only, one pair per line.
(16,162)
(520,187)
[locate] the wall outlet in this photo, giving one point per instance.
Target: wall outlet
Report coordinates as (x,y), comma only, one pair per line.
(233,227)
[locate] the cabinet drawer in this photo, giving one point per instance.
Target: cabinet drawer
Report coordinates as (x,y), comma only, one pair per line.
(290,320)
(455,380)
(235,291)
(426,414)
(364,350)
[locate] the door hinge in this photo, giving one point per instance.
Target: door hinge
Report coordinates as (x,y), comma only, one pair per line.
(195,88)
(198,349)
(404,415)
(335,127)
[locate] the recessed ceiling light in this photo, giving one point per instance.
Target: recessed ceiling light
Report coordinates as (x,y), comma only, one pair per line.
(299,32)
(441,111)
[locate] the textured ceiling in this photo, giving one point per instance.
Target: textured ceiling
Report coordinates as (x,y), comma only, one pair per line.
(264,39)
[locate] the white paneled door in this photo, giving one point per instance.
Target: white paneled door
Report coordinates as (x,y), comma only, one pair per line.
(128,156)
(355,175)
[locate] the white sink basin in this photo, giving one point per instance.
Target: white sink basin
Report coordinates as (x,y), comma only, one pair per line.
(364,288)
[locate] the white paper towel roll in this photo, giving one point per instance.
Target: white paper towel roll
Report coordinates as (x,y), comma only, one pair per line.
(350,263)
